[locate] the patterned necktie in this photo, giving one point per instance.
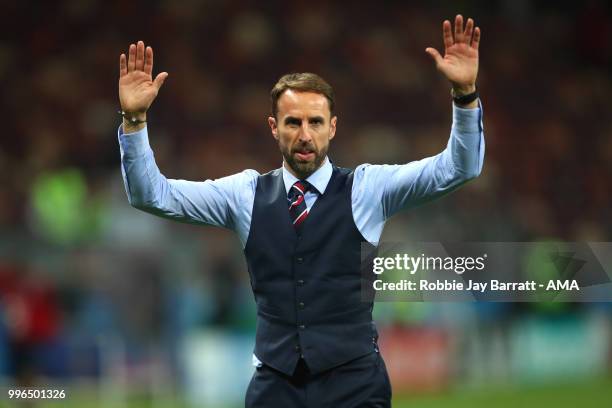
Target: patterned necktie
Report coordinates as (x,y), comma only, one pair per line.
(297,203)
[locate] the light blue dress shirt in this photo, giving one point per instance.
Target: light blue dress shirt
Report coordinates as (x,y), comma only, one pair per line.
(378,192)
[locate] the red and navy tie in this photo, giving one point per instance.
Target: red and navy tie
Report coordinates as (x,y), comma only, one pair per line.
(297,203)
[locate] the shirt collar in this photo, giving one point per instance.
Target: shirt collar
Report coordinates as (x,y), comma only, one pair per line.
(319,179)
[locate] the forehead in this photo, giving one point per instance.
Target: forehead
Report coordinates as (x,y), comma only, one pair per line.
(296,103)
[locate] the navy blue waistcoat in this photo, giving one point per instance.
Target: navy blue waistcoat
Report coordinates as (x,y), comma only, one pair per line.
(308,287)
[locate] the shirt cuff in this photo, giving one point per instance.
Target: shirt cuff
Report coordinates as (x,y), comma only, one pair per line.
(134,144)
(467,120)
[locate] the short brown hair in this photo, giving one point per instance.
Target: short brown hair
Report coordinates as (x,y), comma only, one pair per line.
(302,82)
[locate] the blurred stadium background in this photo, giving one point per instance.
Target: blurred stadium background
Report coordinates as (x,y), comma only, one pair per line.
(125,310)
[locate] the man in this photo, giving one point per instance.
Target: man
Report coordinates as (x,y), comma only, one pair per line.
(302,226)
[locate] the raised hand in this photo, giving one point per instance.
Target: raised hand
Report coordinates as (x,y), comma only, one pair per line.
(460,62)
(137,89)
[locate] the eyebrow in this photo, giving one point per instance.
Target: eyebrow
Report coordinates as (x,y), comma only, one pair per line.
(293,119)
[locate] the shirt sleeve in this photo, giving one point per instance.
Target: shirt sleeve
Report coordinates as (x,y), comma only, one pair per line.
(226,202)
(380,191)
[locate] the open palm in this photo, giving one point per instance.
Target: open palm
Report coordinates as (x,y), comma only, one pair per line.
(460,62)
(137,89)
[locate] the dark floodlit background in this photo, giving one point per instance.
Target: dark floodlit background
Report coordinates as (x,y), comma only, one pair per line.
(123,309)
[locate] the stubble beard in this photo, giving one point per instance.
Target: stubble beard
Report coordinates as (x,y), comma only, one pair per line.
(303,169)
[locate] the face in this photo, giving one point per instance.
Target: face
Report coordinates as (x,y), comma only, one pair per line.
(303,128)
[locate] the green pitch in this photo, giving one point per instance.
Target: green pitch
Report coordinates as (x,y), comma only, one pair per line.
(594,394)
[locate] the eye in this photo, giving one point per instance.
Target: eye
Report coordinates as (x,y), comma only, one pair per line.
(293,122)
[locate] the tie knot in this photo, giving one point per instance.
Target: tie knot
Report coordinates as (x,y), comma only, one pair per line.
(300,187)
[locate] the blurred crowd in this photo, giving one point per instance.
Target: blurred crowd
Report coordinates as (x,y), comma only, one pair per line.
(78,265)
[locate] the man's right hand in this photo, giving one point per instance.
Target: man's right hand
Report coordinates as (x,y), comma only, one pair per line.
(137,89)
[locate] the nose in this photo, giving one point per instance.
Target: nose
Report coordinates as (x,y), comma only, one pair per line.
(304,133)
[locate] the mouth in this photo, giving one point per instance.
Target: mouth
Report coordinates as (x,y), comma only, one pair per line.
(304,155)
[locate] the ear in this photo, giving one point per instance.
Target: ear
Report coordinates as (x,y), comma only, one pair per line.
(273,127)
(332,127)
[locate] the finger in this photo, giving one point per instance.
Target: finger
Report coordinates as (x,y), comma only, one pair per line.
(446,34)
(159,79)
(476,40)
(435,55)
(469,30)
(122,65)
(459,28)
(148,64)
(132,58)
(140,56)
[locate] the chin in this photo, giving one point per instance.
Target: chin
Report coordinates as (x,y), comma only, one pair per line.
(305,168)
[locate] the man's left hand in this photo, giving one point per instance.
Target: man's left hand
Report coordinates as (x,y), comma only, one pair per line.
(460,62)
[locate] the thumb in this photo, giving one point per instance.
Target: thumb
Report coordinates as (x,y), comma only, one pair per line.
(434,54)
(159,79)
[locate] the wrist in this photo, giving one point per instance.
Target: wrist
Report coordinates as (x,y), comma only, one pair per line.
(460,90)
(467,98)
(129,127)
(133,121)
(133,117)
